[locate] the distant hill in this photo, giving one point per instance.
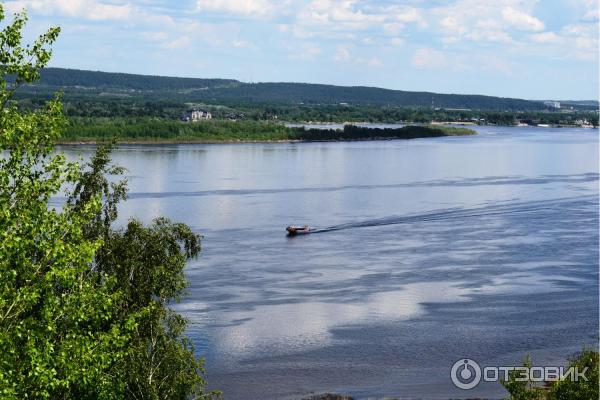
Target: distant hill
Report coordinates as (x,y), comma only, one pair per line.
(80,83)
(359,95)
(582,104)
(61,77)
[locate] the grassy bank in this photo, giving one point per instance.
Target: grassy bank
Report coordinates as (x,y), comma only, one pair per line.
(130,130)
(164,130)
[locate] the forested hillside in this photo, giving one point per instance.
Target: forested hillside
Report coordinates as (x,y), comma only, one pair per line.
(85,83)
(60,77)
(282,93)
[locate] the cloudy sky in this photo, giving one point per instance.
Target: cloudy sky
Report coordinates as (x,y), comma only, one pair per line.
(545,49)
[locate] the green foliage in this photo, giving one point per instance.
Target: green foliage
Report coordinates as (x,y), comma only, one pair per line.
(581,389)
(153,129)
(84,308)
(305,93)
(59,77)
(148,264)
(352,132)
(89,94)
(89,106)
(161,129)
(21,64)
(230,91)
(50,312)
(566,389)
(520,389)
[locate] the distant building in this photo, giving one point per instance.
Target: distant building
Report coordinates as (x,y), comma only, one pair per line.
(584,123)
(236,116)
(527,122)
(268,115)
(552,104)
(195,115)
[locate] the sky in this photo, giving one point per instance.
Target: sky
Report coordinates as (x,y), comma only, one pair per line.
(544,49)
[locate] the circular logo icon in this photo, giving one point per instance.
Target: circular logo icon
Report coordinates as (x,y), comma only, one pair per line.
(465,374)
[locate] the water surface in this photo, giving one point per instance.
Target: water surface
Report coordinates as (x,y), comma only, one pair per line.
(429,250)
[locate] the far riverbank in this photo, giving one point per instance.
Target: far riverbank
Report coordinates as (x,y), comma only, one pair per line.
(209,132)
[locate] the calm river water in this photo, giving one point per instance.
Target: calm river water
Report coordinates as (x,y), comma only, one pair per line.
(430,250)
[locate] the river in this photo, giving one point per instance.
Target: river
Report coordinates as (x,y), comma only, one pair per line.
(429,250)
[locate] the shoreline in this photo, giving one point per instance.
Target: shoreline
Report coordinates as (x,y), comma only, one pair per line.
(432,123)
(163,141)
(200,141)
(198,134)
(186,141)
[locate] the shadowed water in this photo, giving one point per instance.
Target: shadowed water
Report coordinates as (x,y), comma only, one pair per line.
(427,251)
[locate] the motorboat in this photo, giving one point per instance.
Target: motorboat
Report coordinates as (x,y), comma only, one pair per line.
(297,230)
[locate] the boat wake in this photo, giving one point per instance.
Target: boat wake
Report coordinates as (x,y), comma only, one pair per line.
(457,213)
(484,181)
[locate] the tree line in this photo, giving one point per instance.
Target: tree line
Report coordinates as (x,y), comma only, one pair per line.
(135,107)
(84,305)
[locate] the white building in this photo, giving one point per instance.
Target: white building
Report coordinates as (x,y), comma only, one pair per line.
(195,115)
(552,104)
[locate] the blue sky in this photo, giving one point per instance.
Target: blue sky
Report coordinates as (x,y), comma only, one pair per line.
(546,49)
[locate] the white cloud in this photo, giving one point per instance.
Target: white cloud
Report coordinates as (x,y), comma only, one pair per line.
(409,15)
(368,41)
(307,51)
(351,31)
(404,14)
(490,36)
(374,62)
(342,53)
(160,36)
(521,20)
(429,58)
(490,24)
(585,43)
(326,19)
(592,14)
(453,25)
(88,9)
(333,19)
(590,9)
(393,28)
(545,37)
(498,21)
(450,39)
(183,32)
(312,50)
(344,18)
(246,7)
(339,11)
(579,30)
(177,43)
(241,44)
(492,62)
(397,41)
(582,36)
